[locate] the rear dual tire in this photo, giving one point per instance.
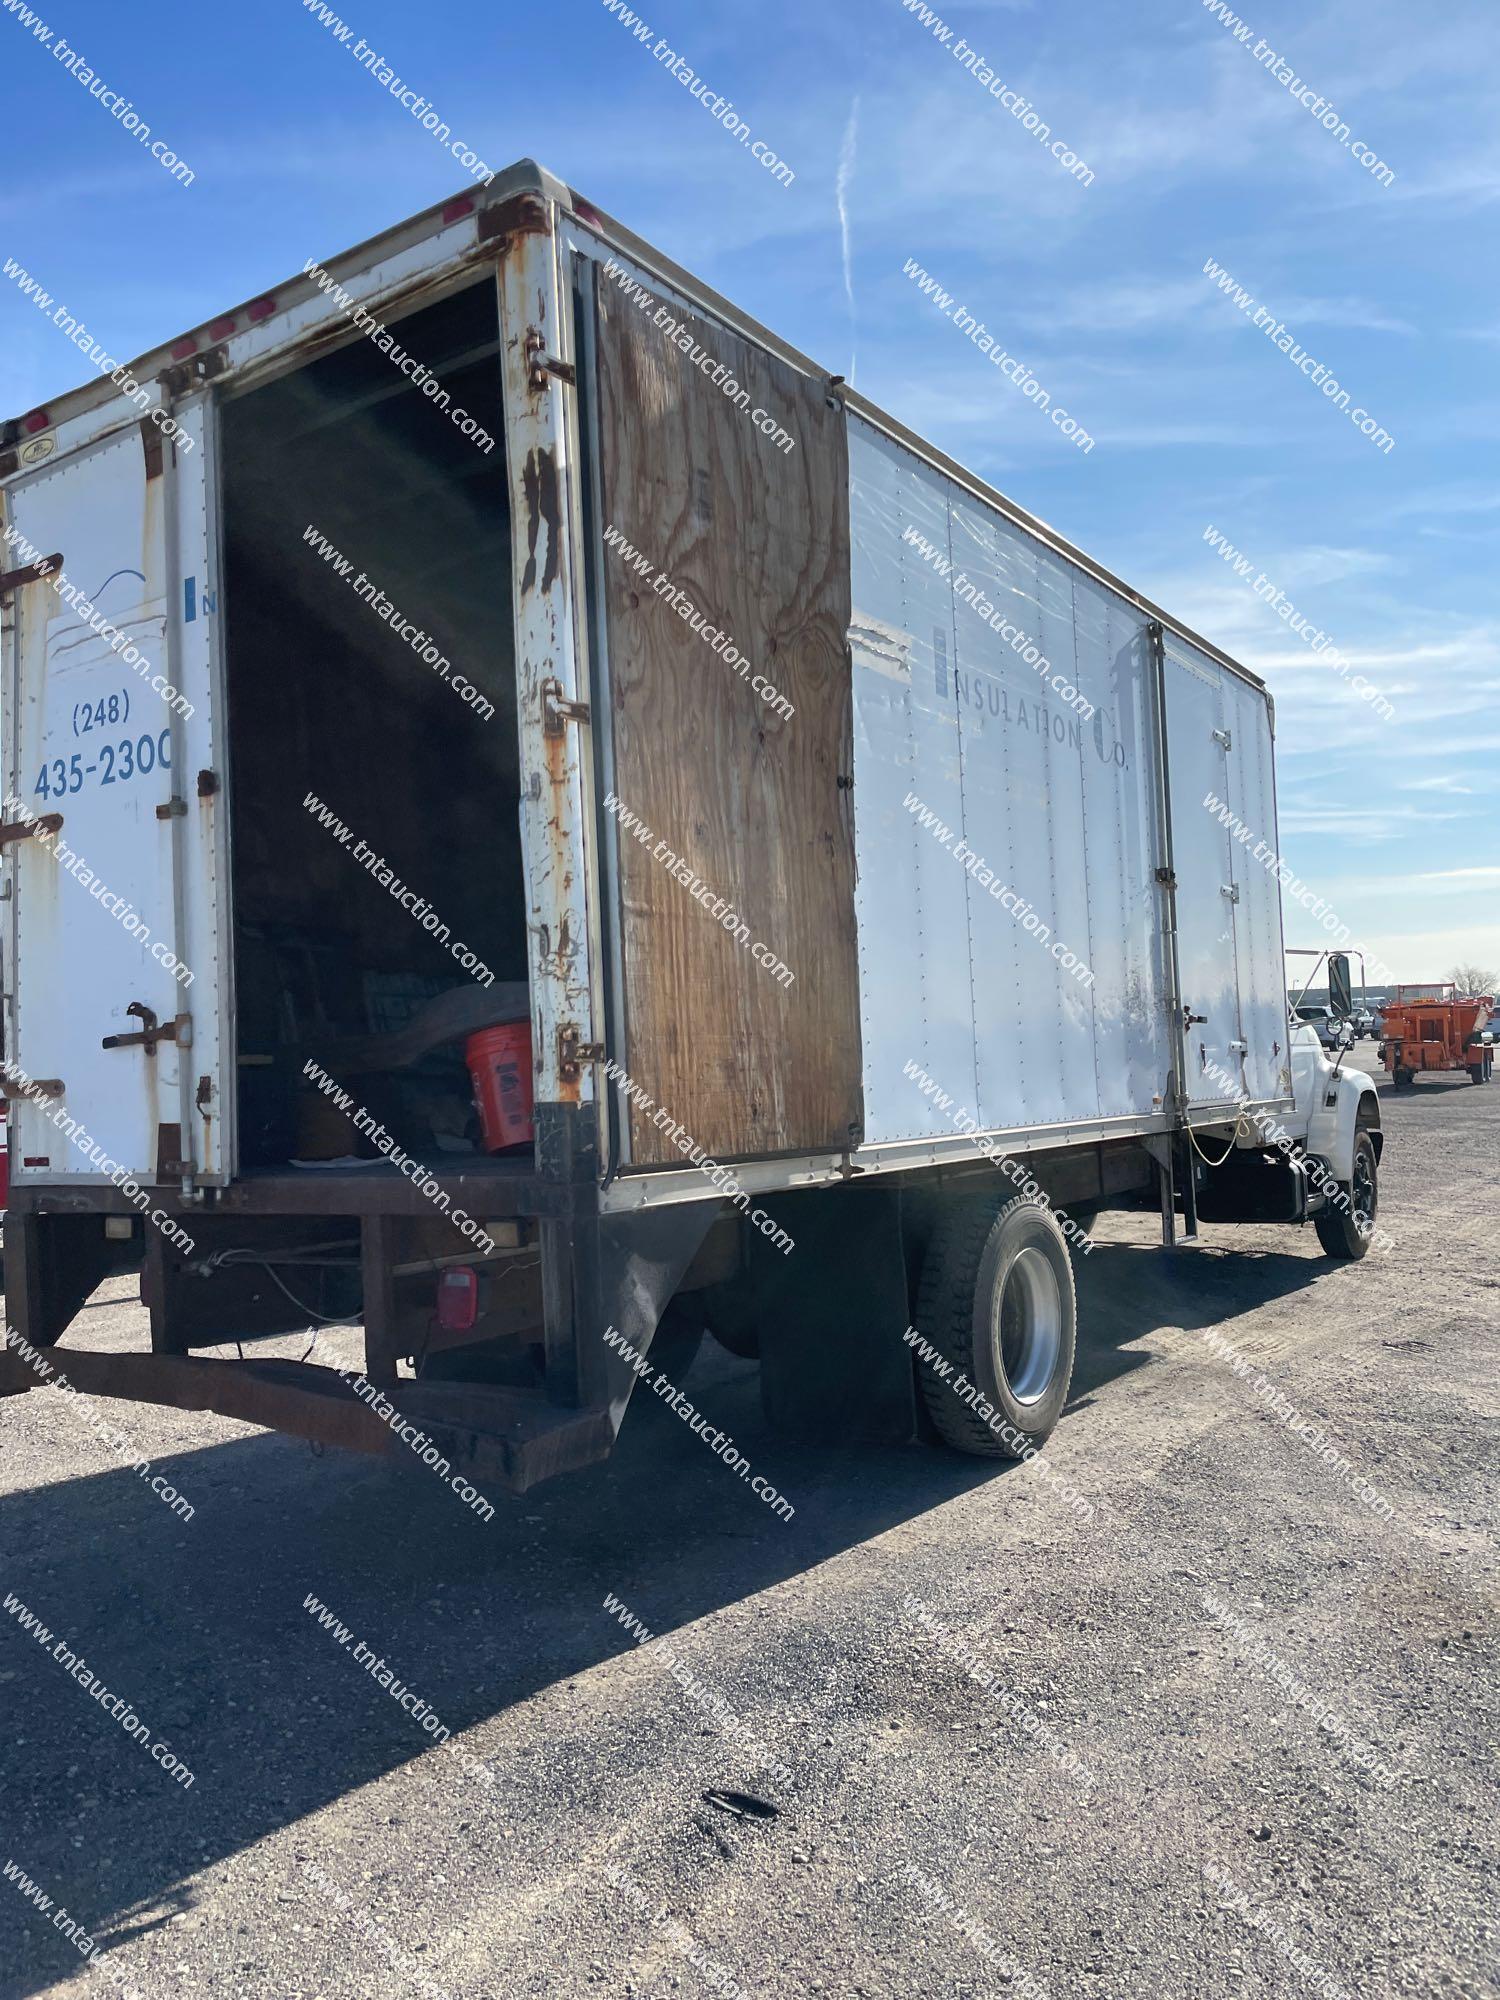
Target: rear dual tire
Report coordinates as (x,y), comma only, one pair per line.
(996,1301)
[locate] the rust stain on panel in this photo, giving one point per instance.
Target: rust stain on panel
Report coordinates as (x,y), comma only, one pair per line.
(169,1162)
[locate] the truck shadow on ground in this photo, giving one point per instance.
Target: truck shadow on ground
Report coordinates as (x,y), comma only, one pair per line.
(202,1626)
(1128,1293)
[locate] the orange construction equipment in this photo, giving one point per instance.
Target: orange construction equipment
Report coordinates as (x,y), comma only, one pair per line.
(1443,1032)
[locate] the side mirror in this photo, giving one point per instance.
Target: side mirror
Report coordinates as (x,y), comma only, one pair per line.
(1340,986)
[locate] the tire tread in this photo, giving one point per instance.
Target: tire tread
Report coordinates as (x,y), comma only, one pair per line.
(945,1317)
(1336,1231)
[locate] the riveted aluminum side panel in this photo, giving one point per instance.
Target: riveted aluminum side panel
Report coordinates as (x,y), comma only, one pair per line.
(916,997)
(1039,837)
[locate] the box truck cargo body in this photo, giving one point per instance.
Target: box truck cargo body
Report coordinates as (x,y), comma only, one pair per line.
(492,625)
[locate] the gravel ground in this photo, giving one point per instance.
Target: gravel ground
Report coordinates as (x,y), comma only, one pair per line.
(1090,1782)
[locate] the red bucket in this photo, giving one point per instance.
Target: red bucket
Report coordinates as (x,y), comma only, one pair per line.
(499,1062)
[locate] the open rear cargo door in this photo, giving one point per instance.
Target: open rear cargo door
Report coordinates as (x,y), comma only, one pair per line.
(732,821)
(117,957)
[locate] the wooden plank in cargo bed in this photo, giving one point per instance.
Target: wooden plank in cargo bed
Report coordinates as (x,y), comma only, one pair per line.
(736,826)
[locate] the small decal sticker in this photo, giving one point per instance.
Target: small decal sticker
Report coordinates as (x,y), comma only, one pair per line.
(36,449)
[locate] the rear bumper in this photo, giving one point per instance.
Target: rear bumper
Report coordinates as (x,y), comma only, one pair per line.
(555,1279)
(481,1438)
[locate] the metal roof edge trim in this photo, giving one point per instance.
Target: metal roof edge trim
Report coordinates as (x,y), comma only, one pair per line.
(524,177)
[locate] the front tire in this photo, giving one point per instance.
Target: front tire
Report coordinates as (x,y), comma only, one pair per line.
(1345,1231)
(1403,1077)
(997,1303)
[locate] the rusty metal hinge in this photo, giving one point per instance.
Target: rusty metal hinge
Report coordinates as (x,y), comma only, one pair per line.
(1167,876)
(572,1054)
(192,374)
(179,1030)
(540,364)
(558,711)
(39,1086)
(174,808)
(521,215)
(24,829)
(37,572)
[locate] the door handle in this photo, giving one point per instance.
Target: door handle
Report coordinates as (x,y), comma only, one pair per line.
(179,1030)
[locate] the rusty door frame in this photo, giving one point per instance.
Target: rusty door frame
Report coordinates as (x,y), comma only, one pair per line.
(558,836)
(614,1124)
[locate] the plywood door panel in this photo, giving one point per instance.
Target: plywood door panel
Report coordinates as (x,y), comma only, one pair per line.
(752,806)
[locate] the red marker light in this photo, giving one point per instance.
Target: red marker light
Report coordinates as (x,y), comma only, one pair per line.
(220,329)
(458,208)
(458,1299)
(184,349)
(261,308)
(37,421)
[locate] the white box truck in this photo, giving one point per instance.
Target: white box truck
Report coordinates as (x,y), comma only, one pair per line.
(493,627)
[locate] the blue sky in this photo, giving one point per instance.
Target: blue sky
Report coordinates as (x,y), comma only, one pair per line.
(1197,152)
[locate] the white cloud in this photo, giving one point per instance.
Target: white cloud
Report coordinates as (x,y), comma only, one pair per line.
(1448,783)
(1377,820)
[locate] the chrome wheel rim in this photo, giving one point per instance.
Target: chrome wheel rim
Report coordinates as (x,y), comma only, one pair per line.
(1030,1326)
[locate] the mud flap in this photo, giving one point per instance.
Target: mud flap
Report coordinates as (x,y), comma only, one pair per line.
(606,1281)
(831,1314)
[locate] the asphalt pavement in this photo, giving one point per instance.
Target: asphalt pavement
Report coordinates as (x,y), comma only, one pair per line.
(1204,1707)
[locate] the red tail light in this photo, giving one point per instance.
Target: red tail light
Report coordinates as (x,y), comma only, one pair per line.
(458,1299)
